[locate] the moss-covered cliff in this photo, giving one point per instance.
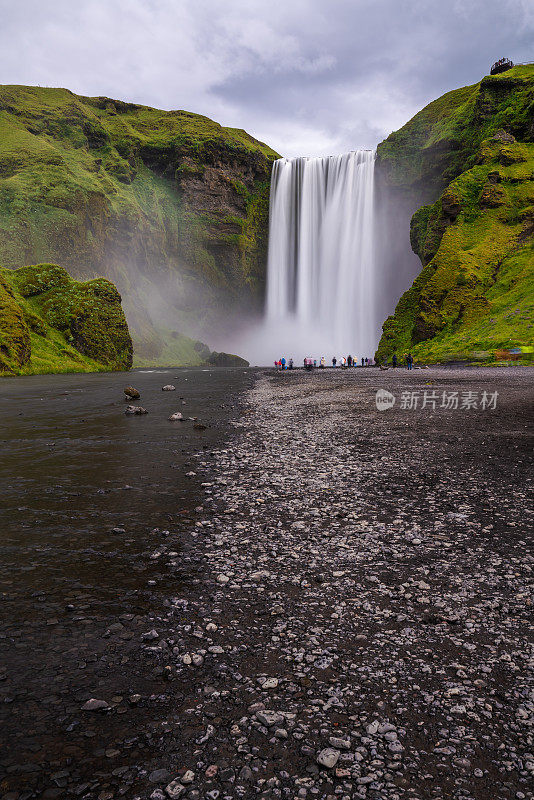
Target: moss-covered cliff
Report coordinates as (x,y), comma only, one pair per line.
(52,323)
(470,154)
(170,206)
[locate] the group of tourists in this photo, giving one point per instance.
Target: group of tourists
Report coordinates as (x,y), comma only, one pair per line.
(311,363)
(349,361)
(283,364)
(345,362)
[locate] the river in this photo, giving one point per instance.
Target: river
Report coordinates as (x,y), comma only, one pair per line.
(74,467)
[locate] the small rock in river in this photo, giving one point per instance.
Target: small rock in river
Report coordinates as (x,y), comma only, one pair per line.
(131,393)
(176,416)
(135,410)
(168,388)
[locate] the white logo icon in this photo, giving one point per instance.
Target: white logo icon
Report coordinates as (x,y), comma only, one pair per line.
(384,400)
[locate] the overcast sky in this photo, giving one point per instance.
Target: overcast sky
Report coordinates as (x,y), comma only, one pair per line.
(309,77)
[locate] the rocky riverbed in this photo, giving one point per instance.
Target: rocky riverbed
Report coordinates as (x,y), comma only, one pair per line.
(352,614)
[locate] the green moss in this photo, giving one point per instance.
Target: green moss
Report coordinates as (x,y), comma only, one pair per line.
(476,293)
(461,158)
(31,281)
(126,191)
(443,140)
(15,346)
(51,323)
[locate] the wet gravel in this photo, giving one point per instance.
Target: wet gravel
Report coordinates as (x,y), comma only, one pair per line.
(352,614)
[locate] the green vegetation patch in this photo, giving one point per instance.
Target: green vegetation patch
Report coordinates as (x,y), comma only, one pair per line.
(52,323)
(443,140)
(475,293)
(140,195)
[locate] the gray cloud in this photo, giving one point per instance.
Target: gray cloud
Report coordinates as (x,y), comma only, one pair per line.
(310,77)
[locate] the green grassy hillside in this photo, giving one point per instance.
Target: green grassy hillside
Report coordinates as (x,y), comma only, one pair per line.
(475,294)
(169,205)
(51,323)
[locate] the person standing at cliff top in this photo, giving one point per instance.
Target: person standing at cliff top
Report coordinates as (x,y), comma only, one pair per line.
(334,361)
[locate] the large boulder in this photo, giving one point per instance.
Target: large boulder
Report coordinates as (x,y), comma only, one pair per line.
(89,314)
(226,360)
(51,323)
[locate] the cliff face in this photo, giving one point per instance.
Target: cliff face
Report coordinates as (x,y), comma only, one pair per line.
(469,156)
(51,323)
(170,206)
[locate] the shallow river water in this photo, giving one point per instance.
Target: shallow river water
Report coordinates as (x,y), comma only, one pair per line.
(73,467)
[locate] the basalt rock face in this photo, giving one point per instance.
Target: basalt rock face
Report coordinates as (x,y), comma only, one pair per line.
(465,166)
(51,323)
(170,206)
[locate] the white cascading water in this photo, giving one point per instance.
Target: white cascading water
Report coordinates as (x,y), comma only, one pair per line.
(321,279)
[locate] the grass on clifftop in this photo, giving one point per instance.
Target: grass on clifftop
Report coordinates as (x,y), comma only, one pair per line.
(442,140)
(470,156)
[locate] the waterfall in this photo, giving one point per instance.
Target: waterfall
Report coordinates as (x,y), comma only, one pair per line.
(321,277)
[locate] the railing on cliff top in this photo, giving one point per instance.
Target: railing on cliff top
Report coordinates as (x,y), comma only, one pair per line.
(501,65)
(504,64)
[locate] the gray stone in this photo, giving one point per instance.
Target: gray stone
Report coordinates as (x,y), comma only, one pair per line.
(175,789)
(95,705)
(159,776)
(328,757)
(135,410)
(269,718)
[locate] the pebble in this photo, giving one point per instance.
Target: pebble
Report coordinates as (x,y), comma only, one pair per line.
(175,789)
(135,410)
(95,705)
(328,757)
